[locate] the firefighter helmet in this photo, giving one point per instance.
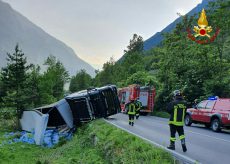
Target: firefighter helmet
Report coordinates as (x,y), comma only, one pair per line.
(132,99)
(177,93)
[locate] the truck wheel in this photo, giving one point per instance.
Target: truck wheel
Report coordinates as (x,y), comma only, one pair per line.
(144,113)
(215,125)
(187,120)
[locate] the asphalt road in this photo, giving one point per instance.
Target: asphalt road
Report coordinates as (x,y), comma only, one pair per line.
(204,145)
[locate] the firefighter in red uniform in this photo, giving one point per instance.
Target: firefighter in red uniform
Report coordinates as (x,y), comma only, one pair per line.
(177,109)
(131,111)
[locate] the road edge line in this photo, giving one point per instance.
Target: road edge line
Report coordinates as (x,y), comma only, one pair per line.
(174,153)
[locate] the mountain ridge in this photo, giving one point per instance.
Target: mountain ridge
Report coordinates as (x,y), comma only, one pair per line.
(35,42)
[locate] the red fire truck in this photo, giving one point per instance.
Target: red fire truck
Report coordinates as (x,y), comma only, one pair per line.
(146,95)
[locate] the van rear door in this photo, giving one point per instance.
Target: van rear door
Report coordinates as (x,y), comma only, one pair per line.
(222,105)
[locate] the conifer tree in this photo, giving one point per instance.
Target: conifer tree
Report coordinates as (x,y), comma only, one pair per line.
(13,79)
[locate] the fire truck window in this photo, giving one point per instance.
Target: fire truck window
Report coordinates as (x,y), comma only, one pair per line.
(210,105)
(123,97)
(202,105)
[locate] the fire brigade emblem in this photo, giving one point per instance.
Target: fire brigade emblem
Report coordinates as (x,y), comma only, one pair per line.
(202,30)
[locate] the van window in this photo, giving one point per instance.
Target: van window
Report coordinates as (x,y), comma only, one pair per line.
(202,105)
(210,105)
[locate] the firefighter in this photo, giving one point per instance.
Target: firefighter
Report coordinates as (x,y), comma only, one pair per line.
(131,111)
(177,109)
(138,106)
(195,103)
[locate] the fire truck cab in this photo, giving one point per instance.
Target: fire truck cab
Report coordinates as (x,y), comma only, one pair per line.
(146,95)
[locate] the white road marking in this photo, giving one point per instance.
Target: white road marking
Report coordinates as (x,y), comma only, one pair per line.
(205,135)
(178,155)
(208,136)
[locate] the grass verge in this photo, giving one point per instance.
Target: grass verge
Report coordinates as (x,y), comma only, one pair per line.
(161,114)
(94,142)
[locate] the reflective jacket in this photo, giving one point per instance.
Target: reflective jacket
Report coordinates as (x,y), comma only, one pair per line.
(138,105)
(131,108)
(177,110)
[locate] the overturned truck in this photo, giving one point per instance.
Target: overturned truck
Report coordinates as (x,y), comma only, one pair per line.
(69,112)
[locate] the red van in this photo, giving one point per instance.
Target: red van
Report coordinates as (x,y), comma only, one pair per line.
(211,113)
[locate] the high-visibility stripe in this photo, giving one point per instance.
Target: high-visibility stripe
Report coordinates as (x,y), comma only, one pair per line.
(182,137)
(131,113)
(183,116)
(174,121)
(173,139)
(175,114)
(131,109)
(138,105)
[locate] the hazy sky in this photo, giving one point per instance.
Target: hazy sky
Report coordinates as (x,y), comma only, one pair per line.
(100,29)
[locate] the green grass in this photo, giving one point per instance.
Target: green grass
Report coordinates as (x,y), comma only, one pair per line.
(94,142)
(161,114)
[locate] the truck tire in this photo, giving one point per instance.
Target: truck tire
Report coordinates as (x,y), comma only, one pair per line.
(215,125)
(144,113)
(188,120)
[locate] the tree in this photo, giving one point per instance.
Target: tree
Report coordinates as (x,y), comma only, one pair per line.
(133,58)
(32,89)
(118,72)
(81,81)
(107,75)
(136,44)
(13,79)
(137,78)
(1,89)
(53,80)
(198,70)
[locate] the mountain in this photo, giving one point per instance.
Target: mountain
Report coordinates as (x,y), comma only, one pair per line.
(157,38)
(34,42)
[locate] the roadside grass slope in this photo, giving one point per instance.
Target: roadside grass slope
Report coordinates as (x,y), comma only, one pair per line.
(94,142)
